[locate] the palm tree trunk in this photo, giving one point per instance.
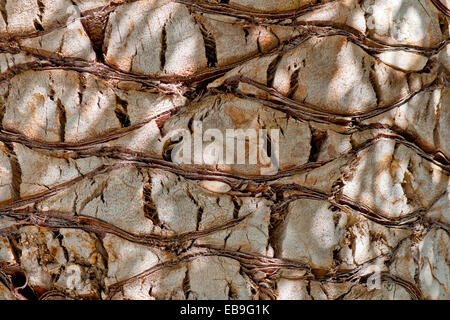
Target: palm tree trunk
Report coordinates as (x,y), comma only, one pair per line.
(243,149)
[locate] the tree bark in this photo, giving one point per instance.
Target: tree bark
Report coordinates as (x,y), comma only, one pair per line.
(348,197)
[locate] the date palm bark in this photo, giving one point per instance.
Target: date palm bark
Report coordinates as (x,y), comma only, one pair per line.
(95,203)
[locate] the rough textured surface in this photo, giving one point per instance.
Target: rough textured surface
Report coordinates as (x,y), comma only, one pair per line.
(100,102)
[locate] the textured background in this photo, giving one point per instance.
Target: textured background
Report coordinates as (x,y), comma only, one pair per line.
(93,205)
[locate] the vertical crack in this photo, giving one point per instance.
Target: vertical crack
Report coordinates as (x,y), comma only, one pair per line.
(62,119)
(81,88)
(293,84)
(258,44)
(95,29)
(16,172)
(38,21)
(443,24)
(236,208)
(122,112)
(199,217)
(150,211)
(373,81)
(38,25)
(186,286)
(3,11)
(210,44)
(61,110)
(41,7)
(2,111)
(272,69)
(232,291)
(437,127)
(317,139)
(246,33)
(308,289)
(162,54)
